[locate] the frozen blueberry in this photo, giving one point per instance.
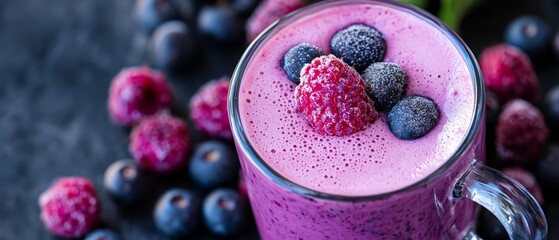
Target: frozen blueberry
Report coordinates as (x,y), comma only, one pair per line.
(489,227)
(244,8)
(359,46)
(413,117)
(294,60)
(173,47)
(529,33)
(547,170)
(386,84)
(226,212)
(177,213)
(102,234)
(126,182)
(220,23)
(152,13)
(214,164)
(552,107)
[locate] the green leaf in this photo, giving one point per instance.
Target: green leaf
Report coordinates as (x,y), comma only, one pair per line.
(452,11)
(418,3)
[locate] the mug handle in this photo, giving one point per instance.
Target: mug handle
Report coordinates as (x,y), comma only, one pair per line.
(507,199)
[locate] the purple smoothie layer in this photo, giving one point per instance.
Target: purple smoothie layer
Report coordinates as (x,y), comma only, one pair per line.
(372,161)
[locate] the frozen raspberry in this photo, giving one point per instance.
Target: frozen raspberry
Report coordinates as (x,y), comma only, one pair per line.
(208,109)
(136,93)
(69,207)
(333,98)
(527,180)
(521,132)
(508,73)
(160,143)
(267,13)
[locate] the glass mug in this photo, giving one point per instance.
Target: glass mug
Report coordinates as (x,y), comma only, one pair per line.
(441,206)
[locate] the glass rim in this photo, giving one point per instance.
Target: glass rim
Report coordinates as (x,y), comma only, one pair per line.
(244,145)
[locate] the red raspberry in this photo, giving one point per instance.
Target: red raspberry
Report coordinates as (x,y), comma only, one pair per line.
(527,180)
(332,97)
(208,109)
(508,73)
(136,93)
(69,207)
(521,132)
(160,143)
(267,13)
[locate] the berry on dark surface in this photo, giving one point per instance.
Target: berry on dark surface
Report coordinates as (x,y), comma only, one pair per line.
(294,60)
(220,23)
(386,84)
(126,182)
(531,34)
(70,207)
(492,108)
(552,107)
(359,46)
(226,212)
(413,117)
(160,143)
(136,93)
(521,132)
(214,164)
(243,8)
(208,109)
(267,13)
(173,47)
(547,169)
(102,234)
(508,73)
(177,213)
(332,97)
(489,227)
(152,13)
(527,180)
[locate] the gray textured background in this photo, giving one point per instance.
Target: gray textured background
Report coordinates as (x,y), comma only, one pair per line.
(57,58)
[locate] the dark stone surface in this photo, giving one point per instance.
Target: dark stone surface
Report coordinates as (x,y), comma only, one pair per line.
(57,59)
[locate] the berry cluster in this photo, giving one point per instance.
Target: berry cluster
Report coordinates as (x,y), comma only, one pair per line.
(340,94)
(519,130)
(177,26)
(160,144)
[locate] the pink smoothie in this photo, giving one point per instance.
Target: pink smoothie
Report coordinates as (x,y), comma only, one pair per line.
(372,161)
(369,162)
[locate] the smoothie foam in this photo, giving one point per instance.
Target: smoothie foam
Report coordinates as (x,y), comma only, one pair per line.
(372,161)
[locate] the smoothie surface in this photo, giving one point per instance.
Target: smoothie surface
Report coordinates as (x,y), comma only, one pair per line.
(372,161)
